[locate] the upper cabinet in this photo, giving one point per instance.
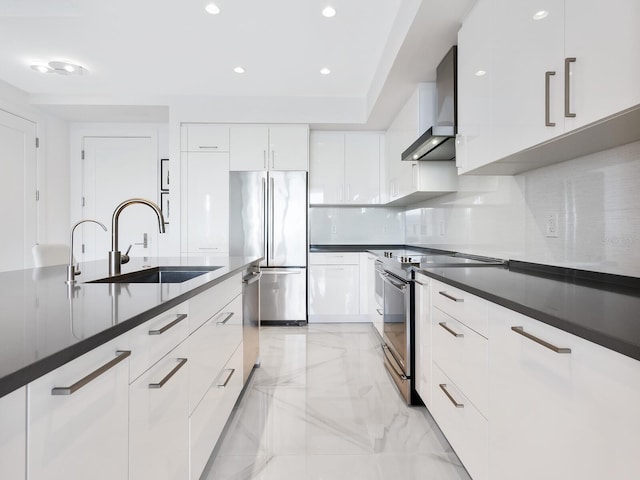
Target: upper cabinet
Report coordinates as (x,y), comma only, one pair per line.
(205,137)
(534,74)
(345,168)
(273,147)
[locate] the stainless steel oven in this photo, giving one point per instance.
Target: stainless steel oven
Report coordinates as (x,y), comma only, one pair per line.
(397,331)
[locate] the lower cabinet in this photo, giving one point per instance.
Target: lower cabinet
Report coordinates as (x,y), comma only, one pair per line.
(423,343)
(158,423)
(210,416)
(13,421)
(79,429)
(334,281)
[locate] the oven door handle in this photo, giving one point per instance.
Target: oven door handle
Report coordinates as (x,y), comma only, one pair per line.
(393,362)
(399,285)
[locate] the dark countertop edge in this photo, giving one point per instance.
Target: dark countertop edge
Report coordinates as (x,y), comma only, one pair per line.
(598,338)
(41,367)
(320,248)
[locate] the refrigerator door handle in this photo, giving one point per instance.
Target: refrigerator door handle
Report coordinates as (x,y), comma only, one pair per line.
(273,271)
(264,217)
(271,218)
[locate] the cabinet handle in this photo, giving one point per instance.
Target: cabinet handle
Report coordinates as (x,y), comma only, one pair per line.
(414,177)
(120,356)
(348,193)
(520,331)
(273,159)
(451,297)
(160,331)
(264,159)
(224,384)
(254,277)
(452,332)
(341,193)
(379,312)
(207,248)
(208,146)
(393,363)
(443,387)
(547,120)
(567,87)
(181,363)
(227,318)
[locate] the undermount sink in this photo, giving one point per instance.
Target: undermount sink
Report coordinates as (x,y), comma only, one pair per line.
(158,275)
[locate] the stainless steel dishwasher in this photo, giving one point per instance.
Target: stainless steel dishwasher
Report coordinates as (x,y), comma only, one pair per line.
(250,321)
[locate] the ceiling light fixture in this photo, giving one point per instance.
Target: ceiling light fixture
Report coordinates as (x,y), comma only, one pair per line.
(480,73)
(61,68)
(325,71)
(212,8)
(239,69)
(329,12)
(540,15)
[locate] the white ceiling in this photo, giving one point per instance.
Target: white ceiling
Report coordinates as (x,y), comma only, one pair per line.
(144,50)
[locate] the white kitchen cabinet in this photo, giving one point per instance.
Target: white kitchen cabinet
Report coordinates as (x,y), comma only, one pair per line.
(204,137)
(561,414)
(158,423)
(369,307)
(13,422)
(208,420)
(410,182)
(334,292)
(207,203)
(269,147)
(345,168)
(81,432)
(423,342)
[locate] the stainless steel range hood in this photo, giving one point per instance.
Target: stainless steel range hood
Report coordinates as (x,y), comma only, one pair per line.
(438,143)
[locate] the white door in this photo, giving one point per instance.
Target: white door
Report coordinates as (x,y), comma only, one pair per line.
(248,147)
(18,211)
(326,168)
(115,169)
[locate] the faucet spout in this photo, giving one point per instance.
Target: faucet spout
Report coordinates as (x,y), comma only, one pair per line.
(115,257)
(71,269)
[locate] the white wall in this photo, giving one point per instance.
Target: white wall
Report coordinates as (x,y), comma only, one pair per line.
(355,225)
(53,164)
(596,199)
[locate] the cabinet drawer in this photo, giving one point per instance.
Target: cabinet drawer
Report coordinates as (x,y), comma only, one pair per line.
(463,425)
(463,355)
(205,138)
(13,421)
(342,258)
(154,339)
(202,307)
(463,306)
(208,420)
(211,346)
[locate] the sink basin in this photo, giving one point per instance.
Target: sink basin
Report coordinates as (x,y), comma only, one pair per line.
(158,275)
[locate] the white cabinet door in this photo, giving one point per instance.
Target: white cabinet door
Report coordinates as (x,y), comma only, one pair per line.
(13,421)
(289,147)
(207,206)
(423,339)
(524,50)
(474,145)
(82,434)
(326,168)
(159,420)
(205,137)
(605,41)
(362,168)
(575,409)
(248,147)
(334,288)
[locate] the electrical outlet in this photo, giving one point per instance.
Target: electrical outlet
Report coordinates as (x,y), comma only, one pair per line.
(334,229)
(441,227)
(551,225)
(385,228)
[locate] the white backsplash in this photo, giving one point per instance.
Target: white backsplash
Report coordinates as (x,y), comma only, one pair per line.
(596,200)
(355,225)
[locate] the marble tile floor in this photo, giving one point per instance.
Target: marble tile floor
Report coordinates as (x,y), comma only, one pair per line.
(322,407)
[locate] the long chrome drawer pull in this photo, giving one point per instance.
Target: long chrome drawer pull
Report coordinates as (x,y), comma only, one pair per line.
(393,363)
(254,277)
(443,387)
(181,363)
(547,120)
(520,330)
(451,297)
(455,334)
(207,146)
(160,331)
(224,384)
(567,87)
(226,319)
(120,356)
(379,311)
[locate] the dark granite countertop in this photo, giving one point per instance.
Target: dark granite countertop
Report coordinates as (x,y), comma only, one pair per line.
(601,308)
(44,324)
(350,248)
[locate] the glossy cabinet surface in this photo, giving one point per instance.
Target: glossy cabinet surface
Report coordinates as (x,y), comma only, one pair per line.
(13,434)
(423,339)
(249,147)
(205,137)
(289,147)
(269,147)
(326,168)
(334,289)
(83,434)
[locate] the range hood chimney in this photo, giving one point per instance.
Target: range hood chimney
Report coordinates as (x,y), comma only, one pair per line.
(438,143)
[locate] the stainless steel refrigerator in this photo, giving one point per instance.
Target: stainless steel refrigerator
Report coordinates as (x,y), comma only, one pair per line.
(268,217)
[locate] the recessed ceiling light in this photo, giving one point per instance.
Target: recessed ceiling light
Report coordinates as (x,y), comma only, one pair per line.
(329,12)
(325,71)
(540,15)
(239,70)
(480,73)
(61,68)
(212,8)
(42,68)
